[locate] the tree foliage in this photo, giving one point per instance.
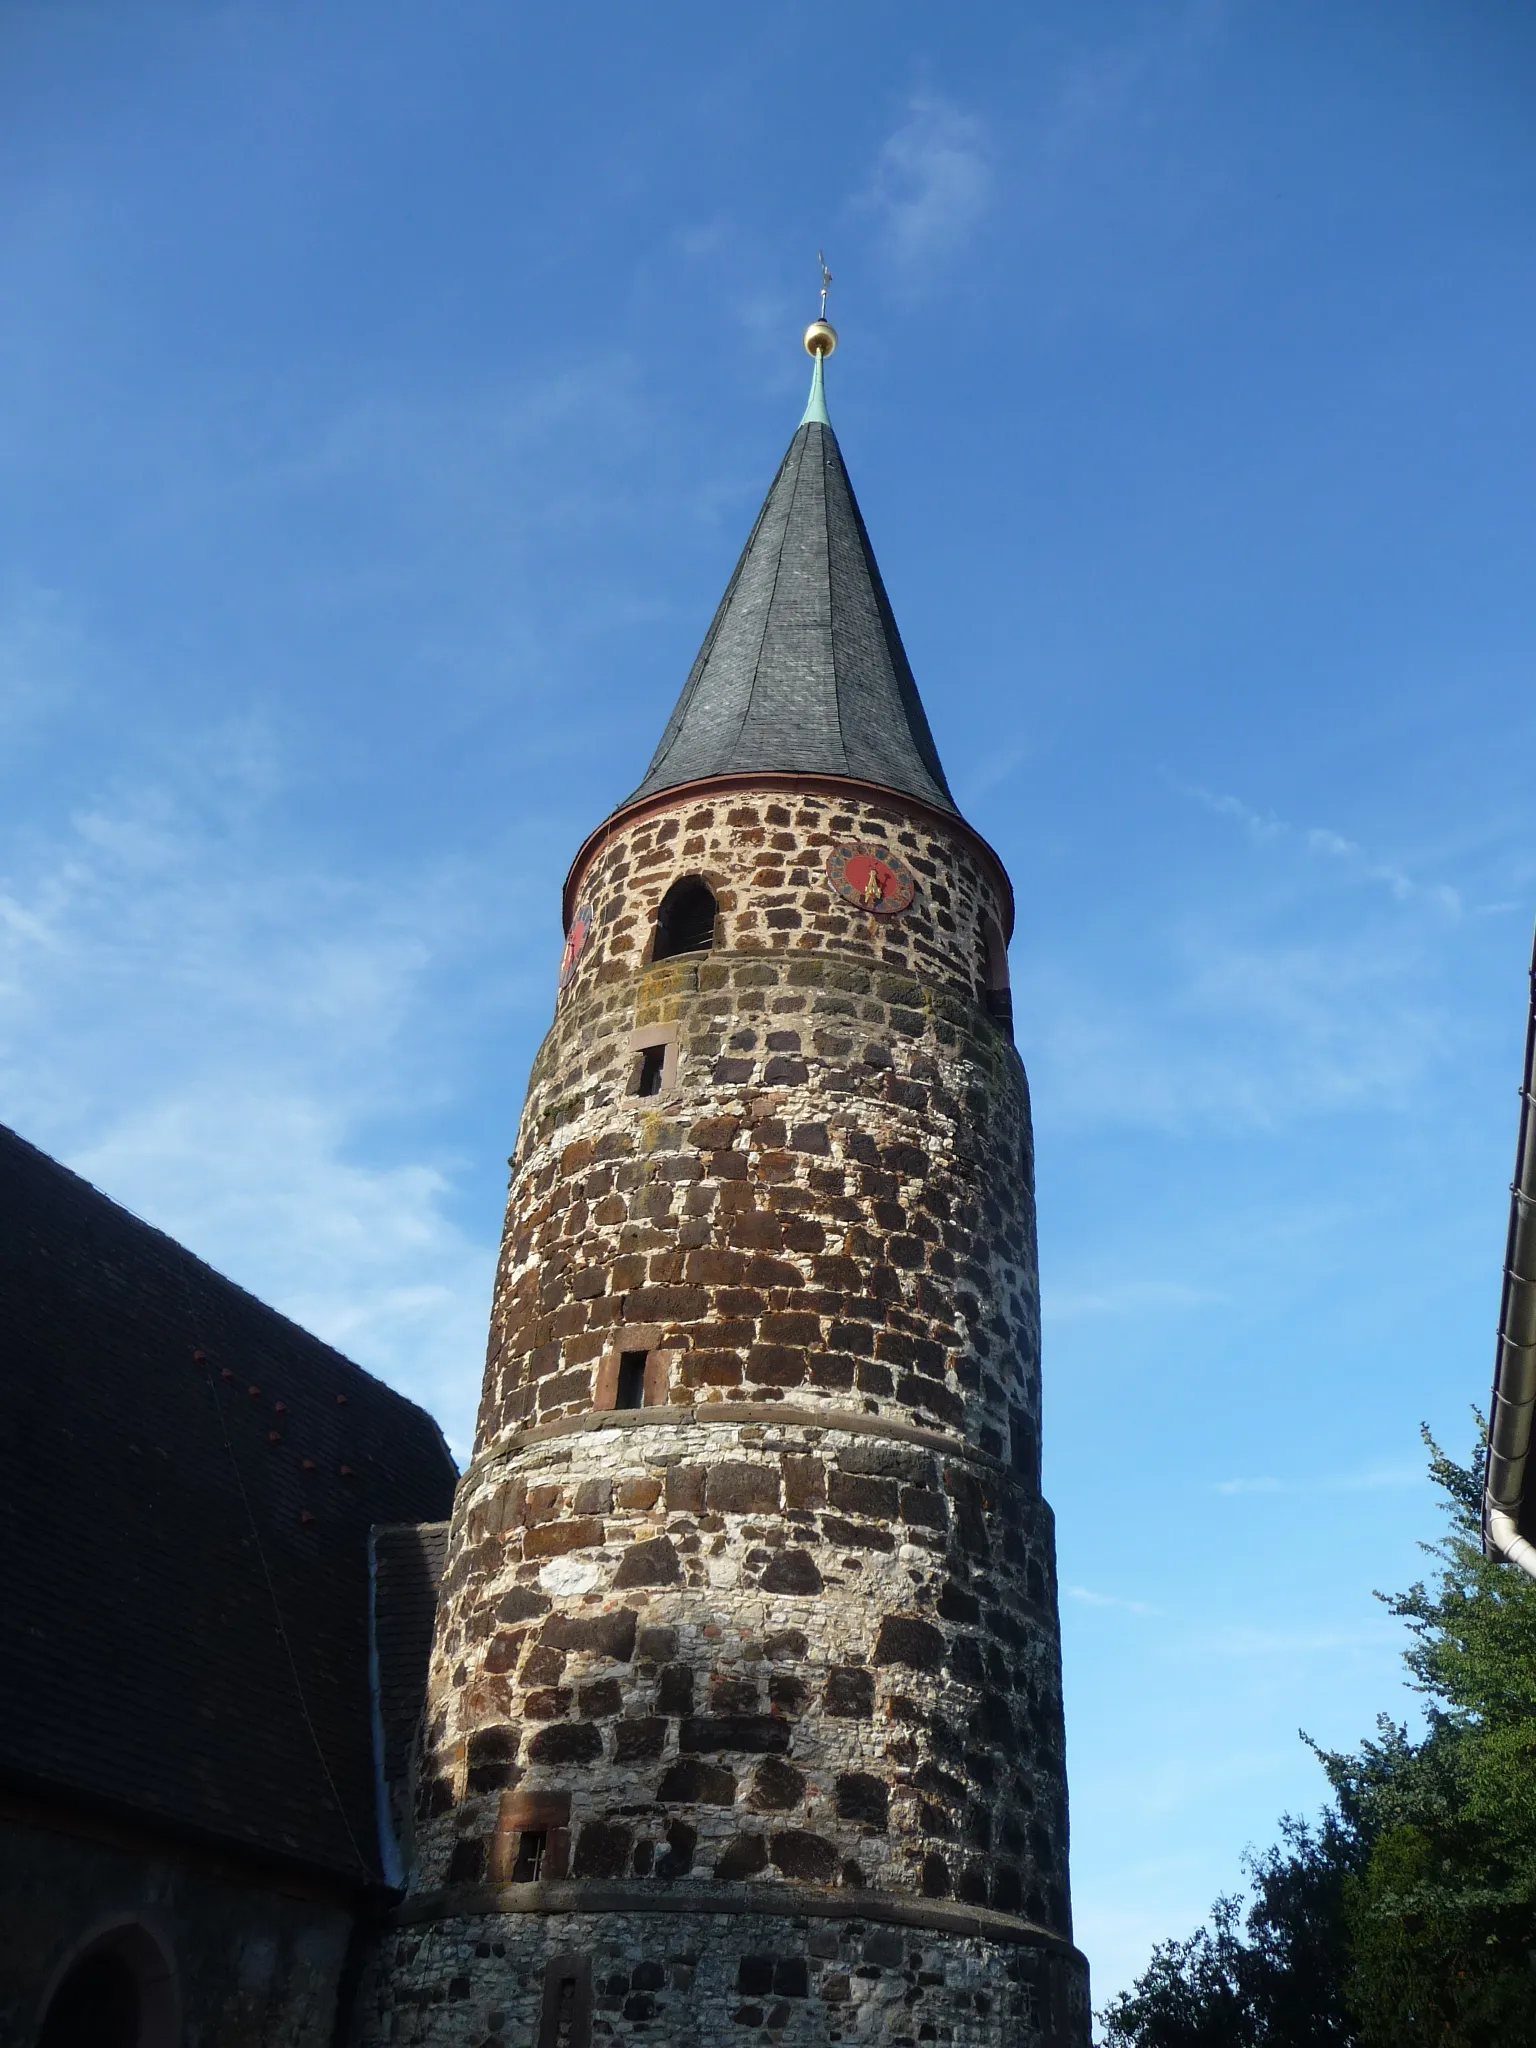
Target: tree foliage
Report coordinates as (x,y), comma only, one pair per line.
(1407,1913)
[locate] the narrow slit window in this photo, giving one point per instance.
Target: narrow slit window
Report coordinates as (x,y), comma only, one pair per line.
(631,1393)
(528,1867)
(565,2012)
(562,2012)
(566,2021)
(652,1060)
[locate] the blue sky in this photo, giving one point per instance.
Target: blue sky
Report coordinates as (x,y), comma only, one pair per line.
(388,392)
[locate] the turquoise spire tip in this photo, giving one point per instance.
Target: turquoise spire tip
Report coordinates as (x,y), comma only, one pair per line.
(816,404)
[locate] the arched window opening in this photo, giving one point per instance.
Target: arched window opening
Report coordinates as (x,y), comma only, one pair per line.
(685,923)
(995,992)
(119,1992)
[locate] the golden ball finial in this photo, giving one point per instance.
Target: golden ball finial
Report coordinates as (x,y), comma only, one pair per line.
(820,338)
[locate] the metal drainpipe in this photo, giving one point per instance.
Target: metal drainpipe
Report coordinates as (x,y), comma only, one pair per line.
(1514,1372)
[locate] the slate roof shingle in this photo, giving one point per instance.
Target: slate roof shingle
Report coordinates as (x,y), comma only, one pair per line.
(803,669)
(177,1642)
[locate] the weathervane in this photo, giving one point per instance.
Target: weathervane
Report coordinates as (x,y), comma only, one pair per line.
(821,335)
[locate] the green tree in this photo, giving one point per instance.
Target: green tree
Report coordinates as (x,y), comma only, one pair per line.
(1407,1913)
(1441,1920)
(1272,1977)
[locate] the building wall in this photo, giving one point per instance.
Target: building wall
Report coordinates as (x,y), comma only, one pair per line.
(836,1198)
(253,1966)
(787,1634)
(706,1980)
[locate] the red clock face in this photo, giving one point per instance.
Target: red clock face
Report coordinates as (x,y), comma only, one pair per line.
(872,877)
(575,943)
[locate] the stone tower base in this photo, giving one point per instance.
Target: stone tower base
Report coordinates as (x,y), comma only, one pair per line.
(699,1974)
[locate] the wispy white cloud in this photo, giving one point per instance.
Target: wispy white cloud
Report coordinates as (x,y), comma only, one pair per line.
(931,185)
(268,1186)
(1139,1298)
(220,1031)
(1323,843)
(1225,1030)
(1295,1642)
(1088,1598)
(1375,1480)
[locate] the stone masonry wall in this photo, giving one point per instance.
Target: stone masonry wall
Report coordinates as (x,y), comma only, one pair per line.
(700,1981)
(786,1634)
(835,1198)
(756,1651)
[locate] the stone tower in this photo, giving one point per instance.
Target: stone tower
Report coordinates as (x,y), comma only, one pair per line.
(744,1717)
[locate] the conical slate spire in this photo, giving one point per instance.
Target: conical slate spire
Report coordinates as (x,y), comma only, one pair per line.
(803,670)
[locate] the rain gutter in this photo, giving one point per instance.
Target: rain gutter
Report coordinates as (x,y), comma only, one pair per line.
(1505,1502)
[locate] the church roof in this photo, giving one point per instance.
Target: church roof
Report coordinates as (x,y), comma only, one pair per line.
(184,1638)
(803,670)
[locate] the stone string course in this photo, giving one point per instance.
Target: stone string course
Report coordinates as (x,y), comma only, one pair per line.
(781,1651)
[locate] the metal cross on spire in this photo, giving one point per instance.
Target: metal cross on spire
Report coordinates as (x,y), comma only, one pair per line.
(820,340)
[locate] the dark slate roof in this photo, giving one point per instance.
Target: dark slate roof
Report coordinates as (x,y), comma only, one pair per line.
(176,1642)
(408,1569)
(803,669)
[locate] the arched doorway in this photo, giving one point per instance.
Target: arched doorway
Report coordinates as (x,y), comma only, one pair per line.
(117,1991)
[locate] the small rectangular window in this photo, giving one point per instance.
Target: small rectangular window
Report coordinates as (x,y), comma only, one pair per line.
(528,1867)
(631,1392)
(652,1060)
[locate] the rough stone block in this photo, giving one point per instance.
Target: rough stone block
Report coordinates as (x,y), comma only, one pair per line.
(856,1535)
(543,1666)
(860,1495)
(566,1742)
(600,1700)
(522,1604)
(864,1799)
(742,1489)
(553,1539)
(650,1562)
(751,1734)
(692,1782)
(743,1856)
(792,1571)
(776,1786)
(548,1703)
(674,1693)
(797,1854)
(602,1850)
(804,1482)
(849,1693)
(599,1635)
(637,1741)
(905,1639)
(685,1489)
(731,1694)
